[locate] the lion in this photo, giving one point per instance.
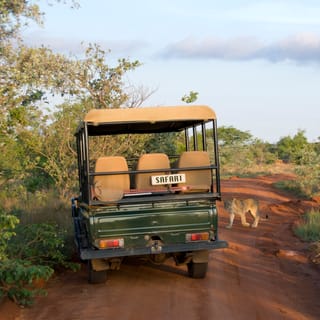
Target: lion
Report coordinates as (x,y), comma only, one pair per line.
(241,207)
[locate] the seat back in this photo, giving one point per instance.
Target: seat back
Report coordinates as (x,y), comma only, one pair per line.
(196,180)
(110,187)
(151,161)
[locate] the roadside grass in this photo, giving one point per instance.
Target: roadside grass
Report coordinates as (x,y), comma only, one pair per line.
(45,207)
(252,171)
(40,207)
(49,209)
(291,186)
(309,230)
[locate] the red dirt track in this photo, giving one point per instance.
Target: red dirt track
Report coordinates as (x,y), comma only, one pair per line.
(264,274)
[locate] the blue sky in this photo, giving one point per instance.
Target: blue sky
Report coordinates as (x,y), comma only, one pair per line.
(257,63)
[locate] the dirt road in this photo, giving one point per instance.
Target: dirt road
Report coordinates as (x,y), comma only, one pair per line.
(264,274)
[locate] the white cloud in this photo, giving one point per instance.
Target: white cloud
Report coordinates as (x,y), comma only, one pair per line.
(76,46)
(300,48)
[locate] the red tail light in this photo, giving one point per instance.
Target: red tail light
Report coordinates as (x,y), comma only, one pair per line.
(201,236)
(111,243)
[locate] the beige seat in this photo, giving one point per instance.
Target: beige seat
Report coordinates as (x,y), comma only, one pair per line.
(110,187)
(151,161)
(196,180)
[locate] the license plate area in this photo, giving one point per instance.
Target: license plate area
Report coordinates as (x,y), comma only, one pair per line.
(168,179)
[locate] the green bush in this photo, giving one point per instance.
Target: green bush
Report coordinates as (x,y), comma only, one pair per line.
(16,276)
(308,173)
(41,244)
(29,252)
(7,225)
(309,229)
(18,280)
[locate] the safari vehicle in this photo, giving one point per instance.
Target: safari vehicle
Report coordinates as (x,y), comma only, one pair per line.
(149,181)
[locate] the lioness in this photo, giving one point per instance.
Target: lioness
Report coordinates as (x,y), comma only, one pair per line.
(241,207)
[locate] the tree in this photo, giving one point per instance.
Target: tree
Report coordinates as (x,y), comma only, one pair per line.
(240,151)
(92,84)
(289,148)
(14,14)
(262,152)
(191,97)
(308,171)
(230,136)
(98,85)
(38,143)
(28,76)
(7,224)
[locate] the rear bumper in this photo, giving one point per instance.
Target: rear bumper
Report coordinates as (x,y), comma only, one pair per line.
(88,254)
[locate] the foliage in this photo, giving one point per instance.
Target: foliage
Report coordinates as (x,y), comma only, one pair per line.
(29,76)
(163,142)
(240,152)
(262,152)
(17,276)
(190,98)
(28,253)
(37,142)
(308,171)
(7,225)
(291,186)
(230,136)
(18,280)
(14,14)
(289,149)
(40,244)
(54,149)
(98,85)
(39,150)
(309,228)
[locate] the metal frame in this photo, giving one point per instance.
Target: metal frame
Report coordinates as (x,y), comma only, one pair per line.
(82,136)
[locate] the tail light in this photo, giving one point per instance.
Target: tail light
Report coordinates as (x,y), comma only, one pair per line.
(201,236)
(110,243)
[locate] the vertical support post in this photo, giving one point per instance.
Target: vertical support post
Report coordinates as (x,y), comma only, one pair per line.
(204,137)
(216,154)
(87,196)
(186,136)
(195,138)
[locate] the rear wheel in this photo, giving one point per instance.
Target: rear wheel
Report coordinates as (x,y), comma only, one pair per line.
(197,270)
(94,276)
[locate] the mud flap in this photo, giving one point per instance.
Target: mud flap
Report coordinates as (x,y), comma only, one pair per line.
(201,256)
(102,264)
(99,265)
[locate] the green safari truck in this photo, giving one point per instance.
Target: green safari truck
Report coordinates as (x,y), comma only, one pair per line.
(148,185)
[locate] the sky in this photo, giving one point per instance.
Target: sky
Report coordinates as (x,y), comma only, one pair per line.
(256,63)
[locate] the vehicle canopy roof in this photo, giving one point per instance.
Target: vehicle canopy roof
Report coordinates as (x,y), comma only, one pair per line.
(145,119)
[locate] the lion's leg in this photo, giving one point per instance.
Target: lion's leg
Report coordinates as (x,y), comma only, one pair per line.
(229,226)
(244,220)
(256,220)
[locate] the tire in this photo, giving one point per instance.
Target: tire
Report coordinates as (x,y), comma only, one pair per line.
(197,270)
(96,277)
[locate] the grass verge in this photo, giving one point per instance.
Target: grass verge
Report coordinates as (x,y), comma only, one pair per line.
(309,230)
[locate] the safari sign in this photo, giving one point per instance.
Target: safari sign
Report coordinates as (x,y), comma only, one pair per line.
(168,179)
